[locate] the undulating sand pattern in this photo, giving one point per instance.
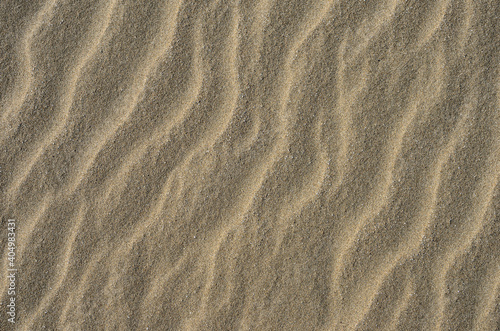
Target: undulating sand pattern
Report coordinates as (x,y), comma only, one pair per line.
(251,165)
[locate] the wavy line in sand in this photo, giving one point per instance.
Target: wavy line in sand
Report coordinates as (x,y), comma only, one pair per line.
(149,303)
(117,184)
(379,199)
(465,32)
(345,103)
(281,145)
(434,23)
(484,197)
(124,109)
(138,232)
(96,35)
(24,235)
(231,59)
(307,194)
(300,201)
(259,26)
(372,27)
(415,239)
(20,92)
(490,299)
(207,143)
(61,276)
(170,196)
(403,304)
(78,293)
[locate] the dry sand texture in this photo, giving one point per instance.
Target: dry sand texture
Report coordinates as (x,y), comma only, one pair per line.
(251,164)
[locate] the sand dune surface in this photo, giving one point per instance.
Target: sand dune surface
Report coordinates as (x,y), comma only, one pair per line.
(250,165)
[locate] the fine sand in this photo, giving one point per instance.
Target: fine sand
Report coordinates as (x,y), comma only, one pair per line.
(250,165)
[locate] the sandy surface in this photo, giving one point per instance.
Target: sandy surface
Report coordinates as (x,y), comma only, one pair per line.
(250,165)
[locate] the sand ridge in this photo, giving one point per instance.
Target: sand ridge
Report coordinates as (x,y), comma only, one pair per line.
(251,165)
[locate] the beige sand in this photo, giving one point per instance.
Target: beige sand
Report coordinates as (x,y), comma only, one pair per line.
(251,165)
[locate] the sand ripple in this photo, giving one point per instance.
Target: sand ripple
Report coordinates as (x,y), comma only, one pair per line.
(251,165)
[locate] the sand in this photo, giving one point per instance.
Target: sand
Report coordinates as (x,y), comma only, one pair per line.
(250,165)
